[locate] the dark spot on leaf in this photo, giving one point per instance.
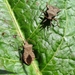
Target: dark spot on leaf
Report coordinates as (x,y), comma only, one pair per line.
(3,33)
(14,36)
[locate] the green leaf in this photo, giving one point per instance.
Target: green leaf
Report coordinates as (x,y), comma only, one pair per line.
(53,48)
(11,42)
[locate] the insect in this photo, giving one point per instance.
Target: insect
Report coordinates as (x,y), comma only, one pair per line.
(49,16)
(28,55)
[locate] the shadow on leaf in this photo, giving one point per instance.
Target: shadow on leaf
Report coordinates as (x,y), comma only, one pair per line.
(6,72)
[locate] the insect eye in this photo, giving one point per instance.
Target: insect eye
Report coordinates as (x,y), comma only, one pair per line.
(29,59)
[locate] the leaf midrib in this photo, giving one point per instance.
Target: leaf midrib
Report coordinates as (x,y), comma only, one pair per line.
(19,32)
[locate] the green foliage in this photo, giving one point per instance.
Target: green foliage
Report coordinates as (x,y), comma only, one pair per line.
(53,48)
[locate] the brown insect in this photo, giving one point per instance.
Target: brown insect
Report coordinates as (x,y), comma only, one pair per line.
(28,55)
(49,16)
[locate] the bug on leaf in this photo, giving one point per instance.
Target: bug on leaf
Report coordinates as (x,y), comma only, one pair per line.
(28,55)
(49,16)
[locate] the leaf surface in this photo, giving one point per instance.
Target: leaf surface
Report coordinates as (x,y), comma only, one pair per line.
(11,44)
(53,48)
